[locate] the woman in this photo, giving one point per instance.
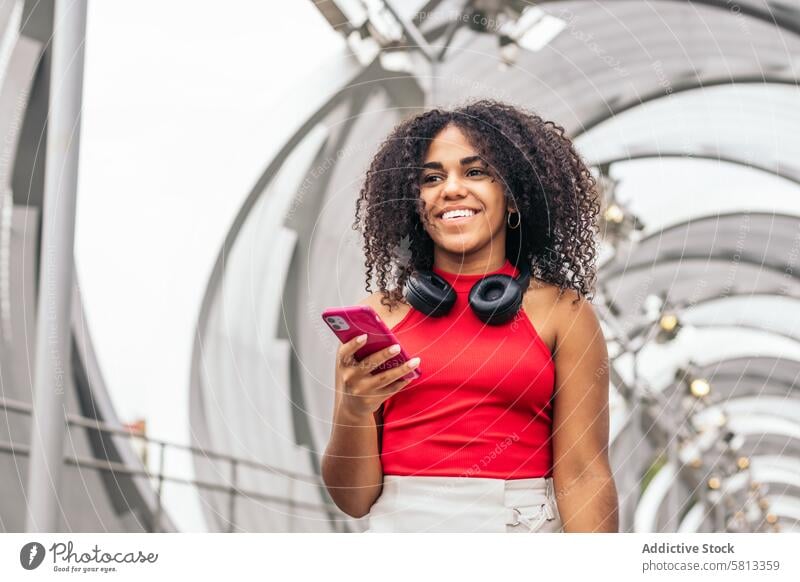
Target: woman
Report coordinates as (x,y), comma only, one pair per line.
(507,428)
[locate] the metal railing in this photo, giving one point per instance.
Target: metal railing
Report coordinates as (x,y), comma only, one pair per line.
(160,477)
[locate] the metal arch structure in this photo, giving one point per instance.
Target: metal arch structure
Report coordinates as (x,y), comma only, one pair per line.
(653,154)
(752,396)
(317,265)
(91,499)
(681,87)
(582,80)
(733,379)
(784,18)
(699,125)
(666,246)
(688,308)
(660,262)
(761,10)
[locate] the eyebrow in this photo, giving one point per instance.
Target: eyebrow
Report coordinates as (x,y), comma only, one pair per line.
(463,161)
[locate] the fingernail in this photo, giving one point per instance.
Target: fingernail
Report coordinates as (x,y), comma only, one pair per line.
(360,339)
(413,362)
(394,349)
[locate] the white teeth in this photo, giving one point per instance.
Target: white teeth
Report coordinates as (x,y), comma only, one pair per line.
(457,213)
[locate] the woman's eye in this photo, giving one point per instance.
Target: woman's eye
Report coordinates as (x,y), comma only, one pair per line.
(470,173)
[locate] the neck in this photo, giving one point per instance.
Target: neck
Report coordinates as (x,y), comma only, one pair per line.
(474,264)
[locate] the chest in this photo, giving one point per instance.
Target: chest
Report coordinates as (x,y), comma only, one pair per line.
(460,356)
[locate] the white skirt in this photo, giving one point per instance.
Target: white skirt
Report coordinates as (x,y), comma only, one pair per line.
(465,504)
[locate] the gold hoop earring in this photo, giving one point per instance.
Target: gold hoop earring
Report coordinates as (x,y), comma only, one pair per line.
(508,220)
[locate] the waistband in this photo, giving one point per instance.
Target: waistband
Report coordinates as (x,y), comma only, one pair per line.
(427,501)
(536,483)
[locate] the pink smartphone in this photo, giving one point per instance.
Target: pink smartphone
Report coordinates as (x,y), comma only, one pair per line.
(348,322)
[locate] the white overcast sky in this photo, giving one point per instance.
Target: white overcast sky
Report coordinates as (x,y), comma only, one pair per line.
(183,106)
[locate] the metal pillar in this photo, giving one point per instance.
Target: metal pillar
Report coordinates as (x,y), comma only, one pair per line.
(56,271)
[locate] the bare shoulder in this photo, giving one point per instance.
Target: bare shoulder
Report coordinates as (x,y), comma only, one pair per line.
(389,317)
(555,297)
(572,304)
(578,322)
(540,303)
(555,311)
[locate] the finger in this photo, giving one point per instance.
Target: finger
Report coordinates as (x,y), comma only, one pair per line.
(395,386)
(372,361)
(386,378)
(345,361)
(349,348)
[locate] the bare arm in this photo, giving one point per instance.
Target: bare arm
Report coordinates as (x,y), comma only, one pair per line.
(585,489)
(351,465)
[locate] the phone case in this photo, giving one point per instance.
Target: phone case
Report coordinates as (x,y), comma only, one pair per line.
(363,319)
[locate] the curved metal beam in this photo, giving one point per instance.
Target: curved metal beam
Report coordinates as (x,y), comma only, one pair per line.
(688,306)
(793,176)
(792,338)
(726,367)
(717,217)
(666,256)
(754,12)
(636,268)
(680,87)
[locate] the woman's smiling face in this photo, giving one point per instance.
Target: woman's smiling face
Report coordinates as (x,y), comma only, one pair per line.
(454,176)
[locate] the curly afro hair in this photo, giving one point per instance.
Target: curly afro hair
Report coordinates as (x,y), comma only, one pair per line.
(547,181)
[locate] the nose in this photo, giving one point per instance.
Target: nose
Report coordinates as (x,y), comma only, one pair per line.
(453,186)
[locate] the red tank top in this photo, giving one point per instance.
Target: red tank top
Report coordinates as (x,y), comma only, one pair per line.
(482,407)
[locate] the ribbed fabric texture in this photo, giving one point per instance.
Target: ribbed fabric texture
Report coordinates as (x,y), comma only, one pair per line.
(483,405)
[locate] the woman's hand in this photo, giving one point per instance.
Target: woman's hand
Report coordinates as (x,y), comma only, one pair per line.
(359,392)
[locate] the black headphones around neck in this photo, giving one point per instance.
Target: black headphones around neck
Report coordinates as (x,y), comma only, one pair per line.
(495,299)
